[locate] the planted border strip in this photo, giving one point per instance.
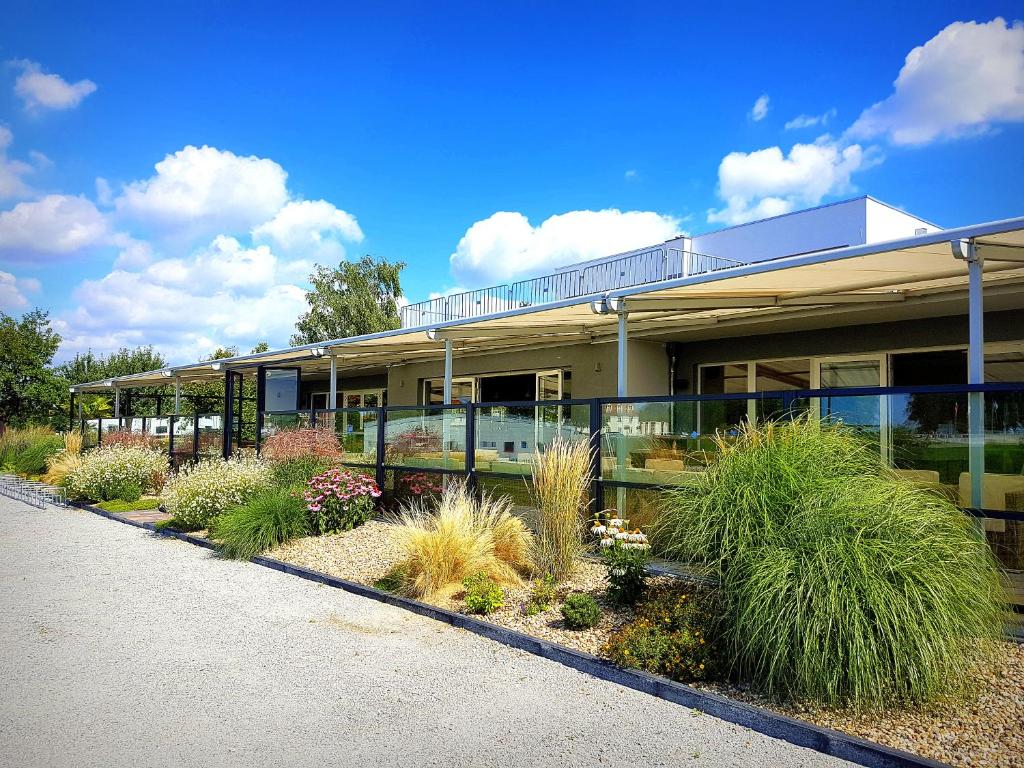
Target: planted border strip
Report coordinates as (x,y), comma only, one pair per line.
(764,721)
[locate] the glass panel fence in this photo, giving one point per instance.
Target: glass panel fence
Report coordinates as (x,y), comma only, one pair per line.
(356,431)
(211,435)
(183,428)
(507,436)
(90,433)
(426,436)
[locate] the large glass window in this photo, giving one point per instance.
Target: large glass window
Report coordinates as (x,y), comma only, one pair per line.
(723,380)
(782,375)
(282,389)
(462,391)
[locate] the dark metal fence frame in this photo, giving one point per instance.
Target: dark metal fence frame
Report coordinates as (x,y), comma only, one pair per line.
(597,431)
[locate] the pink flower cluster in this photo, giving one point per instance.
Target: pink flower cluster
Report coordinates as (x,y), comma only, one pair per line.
(339,485)
(420,483)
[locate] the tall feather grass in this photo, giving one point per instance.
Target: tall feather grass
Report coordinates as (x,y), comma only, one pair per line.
(64,462)
(25,451)
(841,583)
(461,538)
(561,481)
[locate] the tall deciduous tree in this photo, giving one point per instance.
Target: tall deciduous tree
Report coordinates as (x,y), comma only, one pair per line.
(350,300)
(30,392)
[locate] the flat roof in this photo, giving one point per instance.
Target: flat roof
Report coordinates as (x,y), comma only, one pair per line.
(876,277)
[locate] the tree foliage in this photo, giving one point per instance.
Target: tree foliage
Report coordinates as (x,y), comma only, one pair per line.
(30,391)
(87,366)
(350,300)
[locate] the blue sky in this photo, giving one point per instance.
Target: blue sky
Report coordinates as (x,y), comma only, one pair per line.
(304,136)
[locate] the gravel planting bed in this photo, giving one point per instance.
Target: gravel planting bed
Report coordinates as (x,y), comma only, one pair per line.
(987,730)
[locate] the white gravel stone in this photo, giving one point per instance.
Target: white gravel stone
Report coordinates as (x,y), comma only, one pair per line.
(119,648)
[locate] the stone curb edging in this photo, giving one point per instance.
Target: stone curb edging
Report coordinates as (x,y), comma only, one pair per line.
(775,725)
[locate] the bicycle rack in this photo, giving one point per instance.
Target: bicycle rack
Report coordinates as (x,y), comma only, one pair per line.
(31,491)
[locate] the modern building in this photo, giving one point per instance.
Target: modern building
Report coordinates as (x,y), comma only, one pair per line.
(854,310)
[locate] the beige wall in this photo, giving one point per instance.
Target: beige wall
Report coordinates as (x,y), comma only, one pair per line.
(593,369)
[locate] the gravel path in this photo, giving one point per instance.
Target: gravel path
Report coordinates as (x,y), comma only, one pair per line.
(119,648)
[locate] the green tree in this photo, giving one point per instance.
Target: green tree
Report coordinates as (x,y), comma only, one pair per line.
(30,392)
(86,366)
(261,347)
(353,299)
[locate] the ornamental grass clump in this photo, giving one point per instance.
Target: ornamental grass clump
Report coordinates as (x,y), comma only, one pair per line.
(561,482)
(268,519)
(117,472)
(340,500)
(299,442)
(840,583)
(199,492)
(64,462)
(461,538)
(25,451)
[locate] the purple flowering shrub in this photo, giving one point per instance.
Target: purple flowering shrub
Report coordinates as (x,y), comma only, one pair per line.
(340,500)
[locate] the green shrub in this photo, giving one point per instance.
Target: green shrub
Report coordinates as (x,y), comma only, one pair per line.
(340,500)
(111,472)
(266,520)
(483,594)
(299,471)
(25,451)
(627,572)
(543,594)
(199,492)
(394,580)
(121,505)
(841,583)
(671,636)
(177,525)
(581,611)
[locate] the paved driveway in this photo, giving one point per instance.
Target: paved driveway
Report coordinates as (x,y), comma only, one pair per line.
(118,648)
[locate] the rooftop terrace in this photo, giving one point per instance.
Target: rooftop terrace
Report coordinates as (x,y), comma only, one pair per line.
(640,267)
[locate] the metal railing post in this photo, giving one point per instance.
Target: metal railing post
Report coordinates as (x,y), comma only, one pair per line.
(195,436)
(471,446)
(381,446)
(595,453)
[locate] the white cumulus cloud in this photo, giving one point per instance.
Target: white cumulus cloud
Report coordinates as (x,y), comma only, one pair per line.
(203,191)
(312,229)
(760,109)
(13,290)
(505,245)
(222,294)
(768,183)
(962,81)
(39,90)
(53,225)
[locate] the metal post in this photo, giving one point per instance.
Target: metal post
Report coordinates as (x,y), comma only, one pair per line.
(381,446)
(332,401)
(261,404)
(595,454)
(177,395)
(71,410)
(195,433)
(622,390)
(471,446)
(117,402)
(229,408)
(446,413)
(976,373)
(447,371)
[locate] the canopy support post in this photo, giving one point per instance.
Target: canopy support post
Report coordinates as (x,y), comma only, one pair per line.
(967,251)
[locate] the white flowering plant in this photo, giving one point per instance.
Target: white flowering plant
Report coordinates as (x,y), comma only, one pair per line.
(625,552)
(200,492)
(117,472)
